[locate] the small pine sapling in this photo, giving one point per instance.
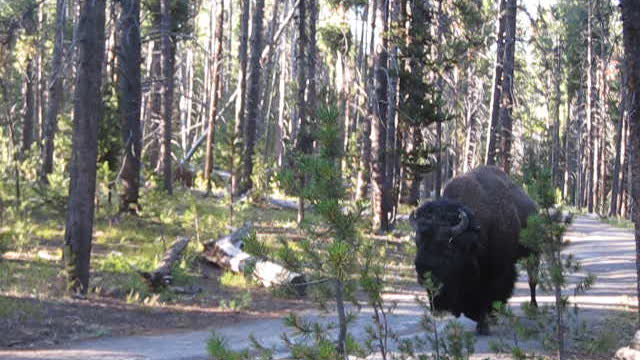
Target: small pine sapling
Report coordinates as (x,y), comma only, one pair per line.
(545,235)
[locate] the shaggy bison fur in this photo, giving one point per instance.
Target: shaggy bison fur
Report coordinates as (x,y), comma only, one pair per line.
(469,242)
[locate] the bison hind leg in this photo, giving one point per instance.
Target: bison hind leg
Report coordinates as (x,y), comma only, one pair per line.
(482,327)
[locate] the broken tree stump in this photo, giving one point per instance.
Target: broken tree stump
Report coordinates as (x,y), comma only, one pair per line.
(161,276)
(227,253)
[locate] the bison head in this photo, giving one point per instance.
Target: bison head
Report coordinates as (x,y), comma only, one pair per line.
(447,242)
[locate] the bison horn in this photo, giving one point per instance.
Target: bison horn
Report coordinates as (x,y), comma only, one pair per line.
(462,225)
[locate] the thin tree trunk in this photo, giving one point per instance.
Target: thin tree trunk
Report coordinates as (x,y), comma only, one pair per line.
(130,97)
(29,111)
(302,138)
(311,61)
(55,93)
(364,170)
(237,182)
(342,320)
(590,113)
(253,95)
(624,161)
(282,90)
(496,98)
(87,115)
(506,111)
(555,159)
(168,52)
(615,182)
(392,113)
(379,120)
(215,90)
(568,165)
(267,94)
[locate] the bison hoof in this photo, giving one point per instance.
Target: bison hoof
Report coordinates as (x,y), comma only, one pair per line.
(482,328)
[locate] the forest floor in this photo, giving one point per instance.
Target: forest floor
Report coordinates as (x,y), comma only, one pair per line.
(178,328)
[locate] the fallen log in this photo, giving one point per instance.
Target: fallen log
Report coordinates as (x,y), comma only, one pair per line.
(227,253)
(161,276)
(287,204)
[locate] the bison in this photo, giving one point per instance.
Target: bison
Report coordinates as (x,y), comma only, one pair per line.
(469,242)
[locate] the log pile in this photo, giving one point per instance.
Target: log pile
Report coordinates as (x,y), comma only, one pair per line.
(227,253)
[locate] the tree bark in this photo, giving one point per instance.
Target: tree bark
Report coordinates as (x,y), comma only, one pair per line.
(253,95)
(237,182)
(496,98)
(392,113)
(168,52)
(29,117)
(29,111)
(87,115)
(130,98)
(215,91)
(55,93)
(615,181)
(379,119)
(302,138)
(631,35)
(591,169)
(557,77)
(506,110)
(364,168)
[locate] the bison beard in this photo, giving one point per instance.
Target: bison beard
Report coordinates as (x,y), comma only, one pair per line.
(469,242)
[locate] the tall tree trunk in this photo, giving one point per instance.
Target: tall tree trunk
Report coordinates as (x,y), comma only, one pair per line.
(615,181)
(364,168)
(471,114)
(590,112)
(30,81)
(392,113)
(557,76)
(55,92)
(29,111)
(215,90)
(281,135)
(311,103)
(379,120)
(568,164)
(130,98)
(496,98)
(153,121)
(168,52)
(253,95)
(87,114)
(267,94)
(238,184)
(506,111)
(302,139)
(631,35)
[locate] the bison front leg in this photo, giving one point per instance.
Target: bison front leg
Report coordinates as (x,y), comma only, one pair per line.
(482,326)
(532,289)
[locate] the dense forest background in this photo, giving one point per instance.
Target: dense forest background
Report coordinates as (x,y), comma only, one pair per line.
(227,97)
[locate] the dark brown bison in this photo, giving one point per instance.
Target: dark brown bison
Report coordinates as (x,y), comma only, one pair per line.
(469,242)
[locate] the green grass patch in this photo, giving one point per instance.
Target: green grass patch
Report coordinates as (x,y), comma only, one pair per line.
(16,309)
(231,279)
(619,222)
(28,278)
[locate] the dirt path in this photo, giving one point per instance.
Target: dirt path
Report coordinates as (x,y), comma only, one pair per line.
(606,251)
